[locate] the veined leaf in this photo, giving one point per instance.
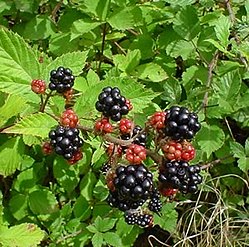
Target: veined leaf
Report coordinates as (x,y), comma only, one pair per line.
(222,29)
(97,239)
(112,239)
(21,235)
(210,138)
(10,156)
(14,104)
(38,124)
(73,60)
(99,8)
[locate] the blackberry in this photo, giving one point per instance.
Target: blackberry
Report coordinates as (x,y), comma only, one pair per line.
(65,141)
(155,204)
(136,218)
(111,103)
(105,168)
(180,123)
(140,139)
(61,80)
(179,175)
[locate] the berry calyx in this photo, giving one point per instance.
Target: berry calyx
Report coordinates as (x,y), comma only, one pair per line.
(157,120)
(103,125)
(174,150)
(47,148)
(69,118)
(135,153)
(38,86)
(125,126)
(129,104)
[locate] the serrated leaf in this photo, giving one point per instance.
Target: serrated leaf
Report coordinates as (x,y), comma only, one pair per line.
(18,206)
(87,184)
(73,60)
(21,235)
(98,7)
(82,209)
(105,224)
(97,239)
(92,78)
(210,138)
(42,202)
(168,219)
(181,48)
(243,164)
(222,29)
(247,147)
(186,23)
(237,149)
(172,90)
(13,105)
(82,26)
(10,156)
(38,124)
(150,71)
(112,239)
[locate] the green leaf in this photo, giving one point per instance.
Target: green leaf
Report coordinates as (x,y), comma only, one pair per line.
(168,219)
(21,235)
(129,62)
(150,71)
(104,225)
(112,239)
(14,104)
(67,176)
(92,78)
(87,184)
(97,239)
(247,147)
(98,7)
(82,209)
(180,48)
(40,27)
(243,164)
(222,29)
(38,124)
(237,149)
(10,156)
(81,26)
(172,90)
(210,138)
(186,23)
(73,60)
(122,19)
(19,206)
(43,202)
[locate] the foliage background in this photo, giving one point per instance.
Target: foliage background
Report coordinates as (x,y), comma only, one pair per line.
(160,53)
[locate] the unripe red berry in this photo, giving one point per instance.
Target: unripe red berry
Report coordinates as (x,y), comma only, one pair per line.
(129,105)
(47,148)
(69,118)
(103,125)
(135,154)
(38,86)
(125,126)
(76,157)
(168,192)
(113,149)
(157,120)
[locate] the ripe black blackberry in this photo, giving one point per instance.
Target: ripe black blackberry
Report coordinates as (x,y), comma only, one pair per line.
(136,218)
(180,123)
(61,80)
(133,182)
(105,168)
(65,141)
(155,204)
(111,103)
(179,175)
(115,201)
(140,139)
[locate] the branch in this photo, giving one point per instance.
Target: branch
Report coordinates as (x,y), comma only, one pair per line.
(44,103)
(214,162)
(211,67)
(55,10)
(236,36)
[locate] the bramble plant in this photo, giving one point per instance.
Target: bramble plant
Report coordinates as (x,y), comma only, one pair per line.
(124,123)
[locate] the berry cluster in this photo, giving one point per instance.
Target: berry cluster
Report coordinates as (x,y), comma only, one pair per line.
(180,123)
(155,204)
(38,86)
(179,175)
(136,218)
(69,118)
(135,154)
(61,80)
(103,126)
(66,141)
(112,104)
(157,120)
(174,150)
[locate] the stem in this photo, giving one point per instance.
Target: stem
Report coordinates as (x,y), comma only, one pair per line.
(43,105)
(55,10)
(214,162)
(102,47)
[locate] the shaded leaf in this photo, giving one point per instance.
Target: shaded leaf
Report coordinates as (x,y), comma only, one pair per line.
(112,239)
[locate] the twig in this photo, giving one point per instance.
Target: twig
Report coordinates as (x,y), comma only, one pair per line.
(120,48)
(211,67)
(160,242)
(102,47)
(236,36)
(229,129)
(43,105)
(214,162)
(74,234)
(133,32)
(55,10)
